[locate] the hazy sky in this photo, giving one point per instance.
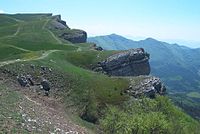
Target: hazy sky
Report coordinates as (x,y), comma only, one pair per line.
(177,20)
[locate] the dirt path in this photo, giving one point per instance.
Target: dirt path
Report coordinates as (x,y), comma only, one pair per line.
(13,34)
(44,55)
(52,34)
(17,32)
(19,48)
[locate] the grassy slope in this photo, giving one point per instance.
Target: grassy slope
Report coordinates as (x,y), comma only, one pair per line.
(85,83)
(89,91)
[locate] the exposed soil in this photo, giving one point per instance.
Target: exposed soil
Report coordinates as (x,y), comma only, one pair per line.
(42,114)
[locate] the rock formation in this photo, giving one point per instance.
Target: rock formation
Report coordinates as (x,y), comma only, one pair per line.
(148,86)
(61,30)
(132,62)
(74,36)
(97,48)
(57,23)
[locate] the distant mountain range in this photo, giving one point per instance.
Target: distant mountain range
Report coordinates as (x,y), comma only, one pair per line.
(178,66)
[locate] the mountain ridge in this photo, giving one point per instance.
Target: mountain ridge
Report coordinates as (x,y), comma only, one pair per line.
(147,38)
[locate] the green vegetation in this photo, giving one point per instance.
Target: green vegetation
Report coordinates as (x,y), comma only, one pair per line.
(8,30)
(194,95)
(148,116)
(9,51)
(6,21)
(89,90)
(177,66)
(10,118)
(86,59)
(96,98)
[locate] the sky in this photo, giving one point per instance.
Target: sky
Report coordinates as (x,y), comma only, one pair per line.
(166,20)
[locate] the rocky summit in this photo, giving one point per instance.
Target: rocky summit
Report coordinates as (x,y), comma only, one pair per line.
(133,62)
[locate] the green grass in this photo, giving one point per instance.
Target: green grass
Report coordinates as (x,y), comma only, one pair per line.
(87,59)
(6,21)
(194,95)
(8,30)
(29,17)
(33,36)
(10,118)
(107,90)
(9,52)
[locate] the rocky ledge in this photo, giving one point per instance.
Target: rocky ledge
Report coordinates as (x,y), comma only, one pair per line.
(61,30)
(133,62)
(147,86)
(74,36)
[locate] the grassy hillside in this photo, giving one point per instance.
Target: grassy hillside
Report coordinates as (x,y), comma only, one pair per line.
(76,90)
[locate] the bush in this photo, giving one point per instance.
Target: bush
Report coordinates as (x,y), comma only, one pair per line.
(147,116)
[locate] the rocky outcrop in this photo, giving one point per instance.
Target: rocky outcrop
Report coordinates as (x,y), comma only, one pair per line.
(61,30)
(74,36)
(146,86)
(132,62)
(97,48)
(25,80)
(57,23)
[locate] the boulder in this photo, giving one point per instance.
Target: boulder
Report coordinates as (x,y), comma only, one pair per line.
(22,80)
(25,80)
(133,62)
(45,85)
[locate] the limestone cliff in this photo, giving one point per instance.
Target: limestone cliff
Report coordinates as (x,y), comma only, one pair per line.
(62,31)
(132,62)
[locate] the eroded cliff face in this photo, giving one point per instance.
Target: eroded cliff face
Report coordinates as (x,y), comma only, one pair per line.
(62,31)
(132,62)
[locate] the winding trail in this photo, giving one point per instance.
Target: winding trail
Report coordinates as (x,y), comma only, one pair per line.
(13,34)
(19,48)
(44,55)
(52,34)
(17,32)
